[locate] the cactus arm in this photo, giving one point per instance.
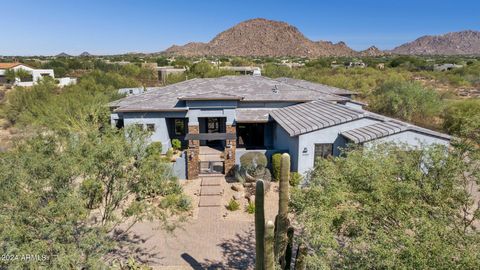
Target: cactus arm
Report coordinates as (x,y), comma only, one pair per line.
(259,225)
(281,221)
(269,238)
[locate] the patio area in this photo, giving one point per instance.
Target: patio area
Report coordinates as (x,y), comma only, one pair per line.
(213,238)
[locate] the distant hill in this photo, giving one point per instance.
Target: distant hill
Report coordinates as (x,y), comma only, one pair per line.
(262,37)
(63,55)
(455,43)
(85,54)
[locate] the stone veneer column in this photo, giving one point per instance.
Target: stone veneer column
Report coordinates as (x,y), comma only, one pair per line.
(193,166)
(229,152)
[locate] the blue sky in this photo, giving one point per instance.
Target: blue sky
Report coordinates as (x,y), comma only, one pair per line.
(114,26)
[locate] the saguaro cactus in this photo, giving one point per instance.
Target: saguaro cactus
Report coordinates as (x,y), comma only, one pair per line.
(289,249)
(259,226)
(269,239)
(300,263)
(282,223)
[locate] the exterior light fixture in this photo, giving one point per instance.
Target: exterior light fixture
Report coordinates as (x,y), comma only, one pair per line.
(305,150)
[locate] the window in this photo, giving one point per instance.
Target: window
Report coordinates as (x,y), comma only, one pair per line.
(323,150)
(151,127)
(130,91)
(179,127)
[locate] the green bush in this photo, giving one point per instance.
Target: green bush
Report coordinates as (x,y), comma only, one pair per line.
(276,161)
(250,208)
(176,201)
(176,144)
(92,192)
(155,148)
(462,118)
(169,153)
(233,205)
(295,179)
(408,101)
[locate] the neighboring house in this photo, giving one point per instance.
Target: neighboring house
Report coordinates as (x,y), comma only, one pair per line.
(358,64)
(131,91)
(35,75)
(220,119)
(445,67)
(164,71)
(256,71)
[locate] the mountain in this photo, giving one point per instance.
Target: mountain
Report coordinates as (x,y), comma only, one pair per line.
(371,51)
(63,55)
(262,37)
(85,54)
(463,42)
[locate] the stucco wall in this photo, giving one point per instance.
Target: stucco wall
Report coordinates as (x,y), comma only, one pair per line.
(327,135)
(158,118)
(283,141)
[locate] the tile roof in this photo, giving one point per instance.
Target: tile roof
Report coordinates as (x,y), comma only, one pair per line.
(252,115)
(311,116)
(9,65)
(250,88)
(322,88)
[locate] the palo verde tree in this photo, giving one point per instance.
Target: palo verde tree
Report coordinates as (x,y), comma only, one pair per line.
(386,208)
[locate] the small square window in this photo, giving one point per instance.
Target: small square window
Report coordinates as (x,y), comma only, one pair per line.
(151,127)
(130,91)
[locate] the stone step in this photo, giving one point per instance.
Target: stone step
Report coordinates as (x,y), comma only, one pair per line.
(210,201)
(211,190)
(212,180)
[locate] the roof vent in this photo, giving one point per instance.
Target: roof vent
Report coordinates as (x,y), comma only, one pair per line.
(275,89)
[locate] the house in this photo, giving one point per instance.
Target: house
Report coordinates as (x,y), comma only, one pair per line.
(164,71)
(244,70)
(445,67)
(357,64)
(35,74)
(220,119)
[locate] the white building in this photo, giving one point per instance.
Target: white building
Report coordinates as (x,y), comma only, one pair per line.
(36,75)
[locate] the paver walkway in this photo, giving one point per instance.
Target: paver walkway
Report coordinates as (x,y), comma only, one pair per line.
(211,191)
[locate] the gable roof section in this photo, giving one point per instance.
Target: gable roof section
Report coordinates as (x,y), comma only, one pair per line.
(311,116)
(387,128)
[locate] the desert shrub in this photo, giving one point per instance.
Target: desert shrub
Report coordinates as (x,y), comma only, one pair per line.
(250,208)
(92,192)
(176,144)
(295,179)
(462,118)
(409,101)
(253,159)
(169,153)
(233,205)
(276,162)
(155,148)
(180,202)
